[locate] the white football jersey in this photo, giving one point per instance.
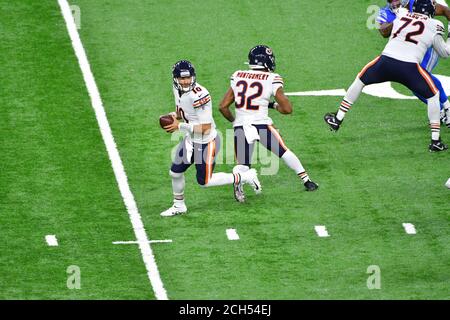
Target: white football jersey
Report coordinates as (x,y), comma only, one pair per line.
(253,90)
(412,35)
(195,107)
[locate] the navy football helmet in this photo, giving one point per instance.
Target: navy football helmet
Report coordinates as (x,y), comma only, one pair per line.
(261,57)
(183,69)
(427,7)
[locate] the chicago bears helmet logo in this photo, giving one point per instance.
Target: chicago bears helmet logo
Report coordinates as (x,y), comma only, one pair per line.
(269,51)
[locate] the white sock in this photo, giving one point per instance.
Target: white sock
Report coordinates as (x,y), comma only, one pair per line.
(293,162)
(179,203)
(220,179)
(240,168)
(350,97)
(434,111)
(178,184)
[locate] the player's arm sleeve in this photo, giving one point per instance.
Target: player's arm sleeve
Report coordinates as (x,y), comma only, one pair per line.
(277,83)
(175,97)
(175,113)
(203,108)
(385,23)
(382,17)
(204,114)
(232,79)
(441,46)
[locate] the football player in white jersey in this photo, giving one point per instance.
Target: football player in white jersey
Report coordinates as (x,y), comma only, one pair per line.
(412,34)
(251,92)
(201,142)
(385,20)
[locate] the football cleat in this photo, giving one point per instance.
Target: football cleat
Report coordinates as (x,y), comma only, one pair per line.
(239,192)
(311,186)
(332,121)
(437,145)
(251,177)
(174,210)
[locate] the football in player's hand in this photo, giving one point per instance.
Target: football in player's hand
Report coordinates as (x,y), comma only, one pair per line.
(165,120)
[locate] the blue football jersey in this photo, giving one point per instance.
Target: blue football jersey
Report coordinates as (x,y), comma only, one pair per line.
(386,15)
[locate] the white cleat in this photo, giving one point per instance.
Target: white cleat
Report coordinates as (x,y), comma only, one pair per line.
(174,210)
(251,177)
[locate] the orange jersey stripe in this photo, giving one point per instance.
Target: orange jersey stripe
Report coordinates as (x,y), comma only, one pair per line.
(428,79)
(371,63)
(278,137)
(202,102)
(209,159)
(207,164)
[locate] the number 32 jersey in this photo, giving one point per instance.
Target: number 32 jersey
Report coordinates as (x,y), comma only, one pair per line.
(253,90)
(412,35)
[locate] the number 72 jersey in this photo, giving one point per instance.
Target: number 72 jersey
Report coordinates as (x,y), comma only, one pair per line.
(253,90)
(412,35)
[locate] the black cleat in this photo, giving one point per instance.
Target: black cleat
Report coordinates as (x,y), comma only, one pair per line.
(311,186)
(332,121)
(437,145)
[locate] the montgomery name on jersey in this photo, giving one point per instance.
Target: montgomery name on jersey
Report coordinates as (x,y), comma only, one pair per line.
(404,43)
(195,107)
(253,90)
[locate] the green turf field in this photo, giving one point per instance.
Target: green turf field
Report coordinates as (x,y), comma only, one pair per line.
(56,177)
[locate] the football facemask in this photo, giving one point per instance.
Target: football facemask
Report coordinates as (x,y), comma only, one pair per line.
(183,69)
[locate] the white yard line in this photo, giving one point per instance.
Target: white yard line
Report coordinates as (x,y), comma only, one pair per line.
(321,231)
(113,153)
(51,240)
(232,234)
(137,242)
(409,228)
(320,93)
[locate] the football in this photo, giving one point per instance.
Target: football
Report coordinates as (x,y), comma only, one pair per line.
(165,120)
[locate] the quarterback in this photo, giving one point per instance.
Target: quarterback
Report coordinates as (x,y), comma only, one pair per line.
(201,142)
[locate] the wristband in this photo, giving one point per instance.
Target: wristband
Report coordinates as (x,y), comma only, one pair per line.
(273,105)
